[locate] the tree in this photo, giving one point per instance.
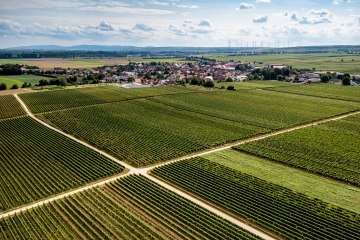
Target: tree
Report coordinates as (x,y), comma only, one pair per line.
(324,78)
(15,86)
(26,85)
(346,81)
(209,84)
(3,86)
(229,79)
(280,78)
(130,79)
(230,88)
(194,81)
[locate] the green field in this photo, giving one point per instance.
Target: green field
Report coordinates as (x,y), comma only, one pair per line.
(287,213)
(348,93)
(143,132)
(131,208)
(20,79)
(36,162)
(312,185)
(62,99)
(321,62)
(330,149)
(255,84)
(266,109)
(10,107)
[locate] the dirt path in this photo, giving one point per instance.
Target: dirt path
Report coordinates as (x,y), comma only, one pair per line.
(144,171)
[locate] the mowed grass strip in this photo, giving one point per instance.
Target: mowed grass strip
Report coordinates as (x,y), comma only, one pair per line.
(10,80)
(130,208)
(143,132)
(10,107)
(36,162)
(289,214)
(47,101)
(330,149)
(348,93)
(312,185)
(266,109)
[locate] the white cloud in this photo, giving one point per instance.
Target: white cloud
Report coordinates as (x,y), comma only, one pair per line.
(312,17)
(244,6)
(142,27)
(192,28)
(172,3)
(263,1)
(260,19)
(337,2)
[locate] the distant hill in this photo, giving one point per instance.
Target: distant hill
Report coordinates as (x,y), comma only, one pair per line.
(75,48)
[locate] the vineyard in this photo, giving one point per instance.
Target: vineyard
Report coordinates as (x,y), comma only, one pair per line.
(323,90)
(266,109)
(36,162)
(330,149)
(130,208)
(62,99)
(287,213)
(10,107)
(143,132)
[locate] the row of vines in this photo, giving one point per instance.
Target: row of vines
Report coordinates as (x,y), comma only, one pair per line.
(10,107)
(289,214)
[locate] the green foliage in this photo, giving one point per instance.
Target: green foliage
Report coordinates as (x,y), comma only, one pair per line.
(330,149)
(230,88)
(229,79)
(38,162)
(3,86)
(346,81)
(325,79)
(15,86)
(130,208)
(194,81)
(26,85)
(209,84)
(10,107)
(289,214)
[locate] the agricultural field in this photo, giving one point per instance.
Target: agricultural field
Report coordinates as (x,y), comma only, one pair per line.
(36,162)
(330,149)
(130,208)
(337,193)
(287,213)
(20,79)
(266,109)
(10,107)
(254,84)
(348,93)
(62,99)
(321,62)
(142,132)
(84,63)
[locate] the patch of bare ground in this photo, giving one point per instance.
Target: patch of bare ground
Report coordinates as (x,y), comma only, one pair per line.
(15,91)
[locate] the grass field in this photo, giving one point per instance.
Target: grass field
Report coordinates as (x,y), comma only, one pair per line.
(289,214)
(83,63)
(10,107)
(349,93)
(321,62)
(330,149)
(131,208)
(36,162)
(20,79)
(143,132)
(312,185)
(61,99)
(253,84)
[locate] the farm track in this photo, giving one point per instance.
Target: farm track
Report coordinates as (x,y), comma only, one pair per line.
(144,171)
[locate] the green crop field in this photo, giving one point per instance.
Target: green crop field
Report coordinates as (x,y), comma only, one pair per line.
(321,62)
(330,149)
(266,109)
(254,84)
(10,107)
(61,99)
(131,208)
(348,93)
(289,214)
(312,185)
(36,162)
(142,132)
(20,79)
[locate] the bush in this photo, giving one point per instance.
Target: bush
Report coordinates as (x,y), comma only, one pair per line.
(26,85)
(3,86)
(346,81)
(230,88)
(209,84)
(15,86)
(325,78)
(194,81)
(229,79)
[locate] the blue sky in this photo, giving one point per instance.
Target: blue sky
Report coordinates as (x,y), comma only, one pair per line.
(179,22)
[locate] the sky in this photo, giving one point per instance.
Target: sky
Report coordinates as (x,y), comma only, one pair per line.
(203,23)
